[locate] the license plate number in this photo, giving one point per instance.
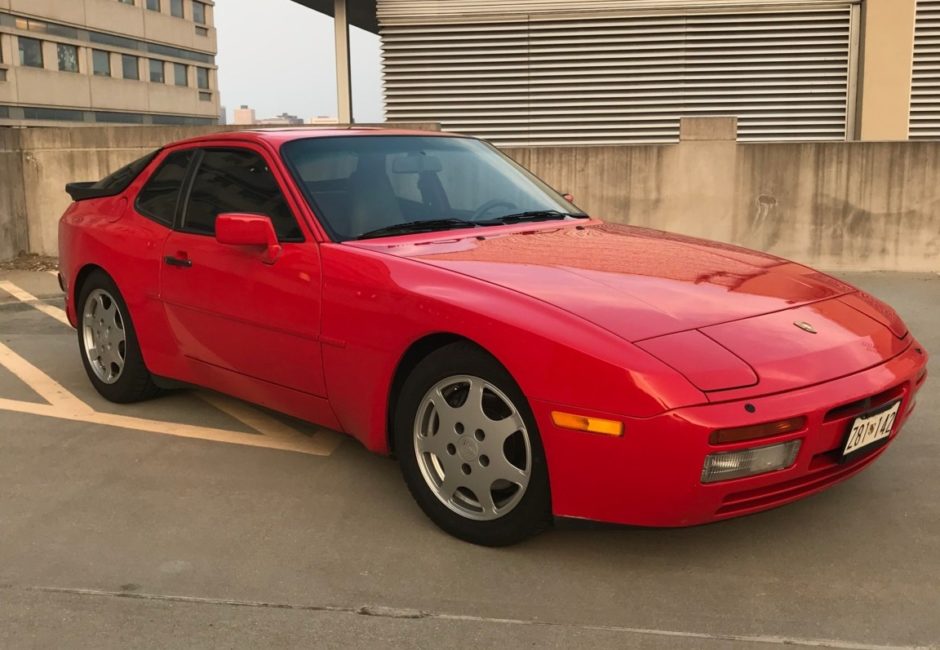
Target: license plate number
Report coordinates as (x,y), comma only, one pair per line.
(868,429)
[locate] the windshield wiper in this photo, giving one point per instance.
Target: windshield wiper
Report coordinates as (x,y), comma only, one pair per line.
(532,215)
(417,226)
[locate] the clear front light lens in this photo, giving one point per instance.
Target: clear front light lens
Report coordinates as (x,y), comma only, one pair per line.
(749,462)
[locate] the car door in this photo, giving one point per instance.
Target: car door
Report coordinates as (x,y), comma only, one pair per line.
(229,310)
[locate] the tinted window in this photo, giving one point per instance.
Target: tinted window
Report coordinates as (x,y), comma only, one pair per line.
(68,57)
(130,67)
(199,13)
(364,183)
(101,63)
(30,52)
(156,71)
(179,74)
(158,197)
(237,180)
(119,180)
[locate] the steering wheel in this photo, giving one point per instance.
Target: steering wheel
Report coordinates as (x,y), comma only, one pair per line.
(489,205)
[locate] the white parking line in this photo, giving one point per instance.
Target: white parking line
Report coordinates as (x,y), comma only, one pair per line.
(64,405)
(26,297)
(44,385)
(324,441)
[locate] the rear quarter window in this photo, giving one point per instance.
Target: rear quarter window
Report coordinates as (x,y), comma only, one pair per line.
(118,181)
(159,197)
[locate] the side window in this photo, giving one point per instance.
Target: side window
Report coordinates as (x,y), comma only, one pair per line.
(158,198)
(237,180)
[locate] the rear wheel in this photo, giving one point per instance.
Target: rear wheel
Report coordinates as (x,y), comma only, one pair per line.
(469,449)
(108,343)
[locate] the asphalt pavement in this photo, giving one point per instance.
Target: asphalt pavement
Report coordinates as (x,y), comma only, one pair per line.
(193,521)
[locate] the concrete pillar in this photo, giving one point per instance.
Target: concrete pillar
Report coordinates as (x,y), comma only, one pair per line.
(706,160)
(343,71)
(50,55)
(887,61)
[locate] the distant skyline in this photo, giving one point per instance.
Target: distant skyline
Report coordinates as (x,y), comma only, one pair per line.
(281,60)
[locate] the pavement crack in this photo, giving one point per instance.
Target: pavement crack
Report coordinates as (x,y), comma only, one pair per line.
(415,614)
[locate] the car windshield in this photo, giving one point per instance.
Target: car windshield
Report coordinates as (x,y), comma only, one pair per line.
(362,186)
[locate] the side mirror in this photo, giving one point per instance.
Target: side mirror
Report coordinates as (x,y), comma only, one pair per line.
(235,229)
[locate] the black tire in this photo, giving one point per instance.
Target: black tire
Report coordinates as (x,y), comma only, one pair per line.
(532,513)
(134,383)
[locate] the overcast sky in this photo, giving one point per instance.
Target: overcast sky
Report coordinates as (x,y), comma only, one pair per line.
(280,59)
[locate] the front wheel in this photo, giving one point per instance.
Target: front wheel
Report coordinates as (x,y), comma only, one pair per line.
(469,448)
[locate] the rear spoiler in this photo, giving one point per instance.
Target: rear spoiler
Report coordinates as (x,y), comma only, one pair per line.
(110,185)
(87,190)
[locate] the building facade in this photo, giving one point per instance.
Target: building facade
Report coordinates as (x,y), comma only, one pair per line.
(108,62)
(557,72)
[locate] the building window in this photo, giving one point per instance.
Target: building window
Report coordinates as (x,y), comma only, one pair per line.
(68,57)
(156,72)
(153,5)
(205,97)
(176,8)
(100,63)
(127,2)
(30,52)
(199,12)
(180,77)
(130,67)
(118,118)
(202,78)
(201,31)
(55,114)
(3,75)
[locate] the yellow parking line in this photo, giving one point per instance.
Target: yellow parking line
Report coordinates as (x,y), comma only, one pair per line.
(307,446)
(31,300)
(325,441)
(64,405)
(44,385)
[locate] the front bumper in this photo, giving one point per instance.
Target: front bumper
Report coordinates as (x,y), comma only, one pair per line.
(651,476)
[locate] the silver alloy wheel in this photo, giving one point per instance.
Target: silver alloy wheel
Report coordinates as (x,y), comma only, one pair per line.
(103,336)
(472,447)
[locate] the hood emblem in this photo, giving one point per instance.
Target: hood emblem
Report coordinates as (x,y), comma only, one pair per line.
(806,327)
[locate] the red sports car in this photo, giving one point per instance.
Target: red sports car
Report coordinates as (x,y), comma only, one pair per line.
(428,296)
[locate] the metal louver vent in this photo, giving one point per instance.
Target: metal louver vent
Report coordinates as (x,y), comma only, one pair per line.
(925,90)
(542,79)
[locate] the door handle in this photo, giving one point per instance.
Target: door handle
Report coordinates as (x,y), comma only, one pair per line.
(178,261)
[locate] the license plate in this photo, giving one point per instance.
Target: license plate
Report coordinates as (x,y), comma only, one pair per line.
(870,428)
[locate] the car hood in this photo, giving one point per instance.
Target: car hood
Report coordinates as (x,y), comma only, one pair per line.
(635,282)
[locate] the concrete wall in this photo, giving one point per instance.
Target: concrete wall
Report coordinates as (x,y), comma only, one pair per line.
(13,223)
(838,206)
(36,163)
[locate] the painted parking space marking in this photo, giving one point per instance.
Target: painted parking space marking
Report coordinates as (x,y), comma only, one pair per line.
(25,297)
(62,404)
(323,442)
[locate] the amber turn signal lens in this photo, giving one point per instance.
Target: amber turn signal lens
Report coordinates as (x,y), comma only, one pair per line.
(585,423)
(766,430)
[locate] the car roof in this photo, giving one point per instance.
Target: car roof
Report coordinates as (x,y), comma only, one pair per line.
(278,136)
